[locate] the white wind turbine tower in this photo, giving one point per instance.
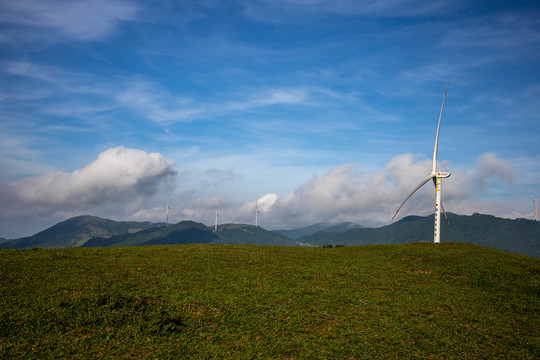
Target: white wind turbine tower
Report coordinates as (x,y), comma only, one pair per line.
(256,214)
(215,226)
(168,208)
(436,176)
(535,208)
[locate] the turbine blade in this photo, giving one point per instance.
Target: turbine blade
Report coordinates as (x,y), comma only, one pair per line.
(444,212)
(415,189)
(434,163)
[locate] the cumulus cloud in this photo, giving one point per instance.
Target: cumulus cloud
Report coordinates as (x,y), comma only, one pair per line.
(347,193)
(350,193)
(265,203)
(489,168)
(117,173)
(245,213)
(124,182)
(343,194)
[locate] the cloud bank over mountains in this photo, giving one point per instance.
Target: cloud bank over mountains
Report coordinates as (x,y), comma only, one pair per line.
(132,184)
(119,175)
(347,193)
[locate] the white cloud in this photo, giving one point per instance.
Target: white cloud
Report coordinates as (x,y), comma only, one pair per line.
(156,214)
(53,82)
(117,174)
(350,193)
(280,10)
(266,202)
(122,184)
(497,32)
(214,177)
(347,193)
(275,96)
(489,169)
(81,20)
(156,103)
(165,108)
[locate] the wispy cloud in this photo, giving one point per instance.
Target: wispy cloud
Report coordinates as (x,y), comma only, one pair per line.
(55,81)
(496,32)
(156,103)
(79,20)
(164,107)
(18,157)
(270,97)
(281,10)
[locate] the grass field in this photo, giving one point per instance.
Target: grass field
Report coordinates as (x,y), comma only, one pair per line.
(434,301)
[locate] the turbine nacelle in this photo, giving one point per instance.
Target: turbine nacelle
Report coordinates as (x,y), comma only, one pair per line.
(441,174)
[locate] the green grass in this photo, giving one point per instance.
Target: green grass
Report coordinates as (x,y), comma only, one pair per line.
(417,300)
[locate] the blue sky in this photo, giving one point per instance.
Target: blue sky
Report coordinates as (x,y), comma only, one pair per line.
(320,110)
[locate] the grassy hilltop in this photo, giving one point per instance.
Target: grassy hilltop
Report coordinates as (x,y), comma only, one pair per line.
(416,300)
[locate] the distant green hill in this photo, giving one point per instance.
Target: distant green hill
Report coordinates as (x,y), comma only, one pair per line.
(189,232)
(519,236)
(76,231)
(313,229)
(91,231)
(249,234)
(185,232)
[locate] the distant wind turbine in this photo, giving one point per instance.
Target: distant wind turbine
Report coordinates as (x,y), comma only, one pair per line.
(215,226)
(168,208)
(256,214)
(436,176)
(535,208)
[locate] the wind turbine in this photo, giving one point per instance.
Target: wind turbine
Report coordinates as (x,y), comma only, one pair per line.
(436,176)
(168,208)
(535,208)
(256,214)
(215,226)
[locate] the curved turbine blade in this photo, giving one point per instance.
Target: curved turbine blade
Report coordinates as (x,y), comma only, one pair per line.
(434,163)
(415,189)
(444,212)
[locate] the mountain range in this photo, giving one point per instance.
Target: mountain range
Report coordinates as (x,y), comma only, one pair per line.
(78,230)
(189,232)
(519,236)
(92,231)
(324,227)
